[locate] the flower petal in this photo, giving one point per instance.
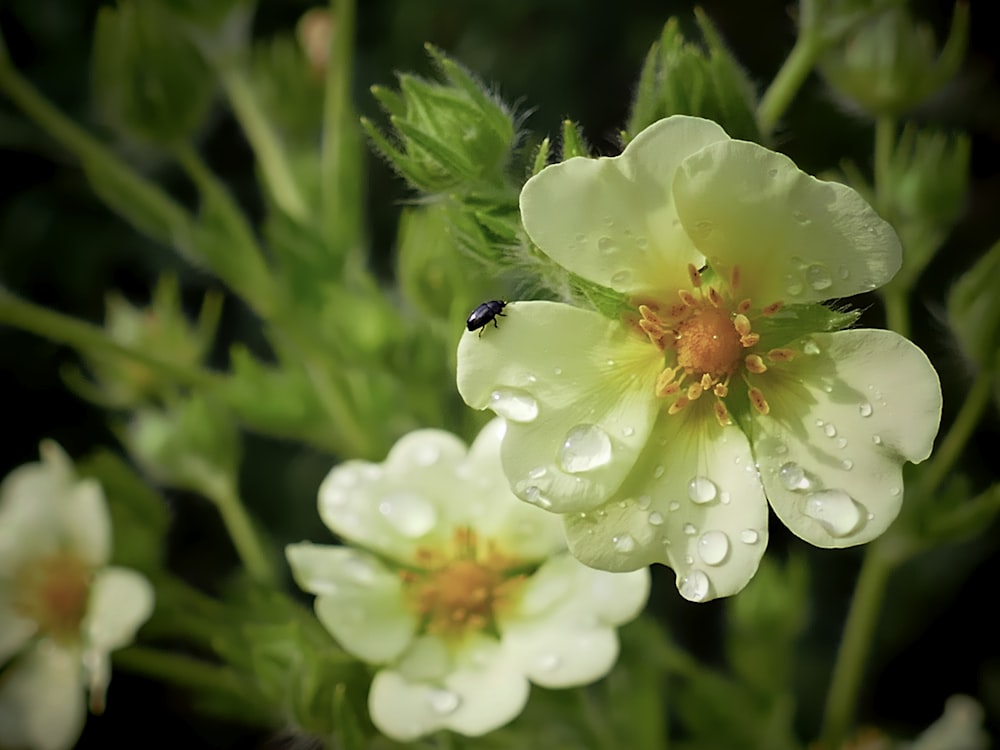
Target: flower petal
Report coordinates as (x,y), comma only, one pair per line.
(86,522)
(482,694)
(564,632)
(15,630)
(359,600)
(612,220)
(121,600)
(577,392)
(41,699)
(842,422)
(795,238)
(694,502)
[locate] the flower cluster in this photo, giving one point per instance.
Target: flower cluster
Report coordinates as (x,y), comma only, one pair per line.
(726,385)
(63,609)
(459,592)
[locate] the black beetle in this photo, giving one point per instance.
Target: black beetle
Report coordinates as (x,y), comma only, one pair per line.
(484,313)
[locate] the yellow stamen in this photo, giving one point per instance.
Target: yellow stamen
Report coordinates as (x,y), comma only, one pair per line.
(758,401)
(772,308)
(781,355)
(755,364)
(677,406)
(694,275)
(721,413)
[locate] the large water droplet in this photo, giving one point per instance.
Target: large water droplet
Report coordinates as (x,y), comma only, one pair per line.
(585,448)
(624,543)
(694,586)
(606,245)
(443,701)
(713,547)
(793,477)
(865,409)
(829,430)
(749,536)
(702,490)
(835,510)
(409,514)
(515,405)
(818,277)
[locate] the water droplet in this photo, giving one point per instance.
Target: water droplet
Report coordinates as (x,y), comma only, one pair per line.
(829,430)
(674,506)
(580,237)
(585,448)
(772,172)
(841,442)
(515,405)
(810,347)
(702,490)
(818,277)
(641,242)
(557,371)
(644,502)
(655,519)
(703,227)
(694,586)
(549,662)
(749,536)
(606,245)
(801,218)
(624,543)
(690,529)
(538,472)
(836,511)
(844,272)
(532,494)
(658,472)
(621,277)
(443,701)
(877,439)
(827,388)
(609,221)
(793,477)
(894,491)
(713,547)
(792,285)
(865,409)
(847,464)
(628,431)
(409,514)
(724,498)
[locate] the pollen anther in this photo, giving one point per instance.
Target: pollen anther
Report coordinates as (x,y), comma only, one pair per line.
(781,355)
(758,401)
(694,275)
(755,364)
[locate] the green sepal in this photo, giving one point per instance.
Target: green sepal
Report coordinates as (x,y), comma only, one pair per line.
(148,80)
(541,159)
(680,77)
(974,311)
(288,89)
(573,143)
(794,322)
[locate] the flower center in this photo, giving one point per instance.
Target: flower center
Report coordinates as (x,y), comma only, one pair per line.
(707,338)
(463,590)
(53,591)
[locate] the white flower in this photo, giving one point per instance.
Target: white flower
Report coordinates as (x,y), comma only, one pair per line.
(462,593)
(663,436)
(63,609)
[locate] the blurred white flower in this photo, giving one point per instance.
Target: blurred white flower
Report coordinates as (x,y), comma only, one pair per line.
(63,609)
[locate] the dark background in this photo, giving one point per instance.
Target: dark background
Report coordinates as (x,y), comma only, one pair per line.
(59,246)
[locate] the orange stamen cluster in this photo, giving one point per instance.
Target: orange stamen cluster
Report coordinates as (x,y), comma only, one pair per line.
(461,590)
(709,336)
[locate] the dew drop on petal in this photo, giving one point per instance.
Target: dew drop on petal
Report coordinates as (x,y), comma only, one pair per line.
(829,430)
(443,702)
(841,442)
(690,529)
(585,448)
(408,513)
(793,477)
(621,277)
(557,371)
(877,439)
(835,510)
(894,491)
(674,506)
(515,405)
(724,498)
(713,547)
(847,464)
(702,490)
(818,277)
(792,285)
(658,472)
(749,536)
(644,502)
(865,409)
(655,519)
(533,494)
(844,272)
(810,347)
(606,245)
(628,431)
(538,472)
(624,543)
(694,586)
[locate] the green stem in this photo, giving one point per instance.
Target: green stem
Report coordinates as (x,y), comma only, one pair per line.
(173,221)
(241,530)
(788,81)
(89,338)
(180,670)
(854,648)
(897,309)
(265,142)
(885,144)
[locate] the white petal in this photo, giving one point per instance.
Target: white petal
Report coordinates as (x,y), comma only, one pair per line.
(694,502)
(564,632)
(842,423)
(86,522)
(577,392)
(30,502)
(795,238)
(42,700)
(121,600)
(482,694)
(359,600)
(612,220)
(15,630)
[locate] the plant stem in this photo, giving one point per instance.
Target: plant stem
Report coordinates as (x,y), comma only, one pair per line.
(788,81)
(241,530)
(885,144)
(897,309)
(852,656)
(265,142)
(86,337)
(180,670)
